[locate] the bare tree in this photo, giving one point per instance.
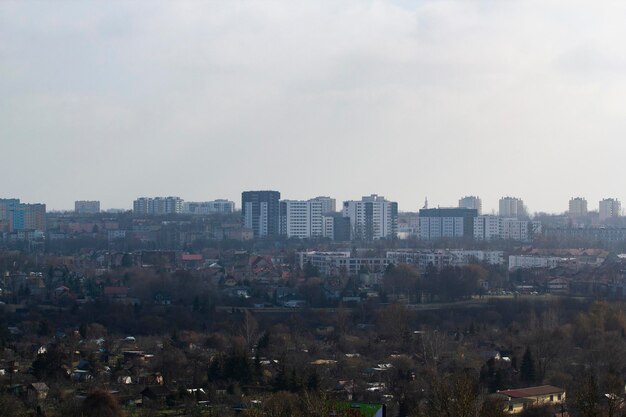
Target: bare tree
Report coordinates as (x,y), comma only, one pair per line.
(431,345)
(249,329)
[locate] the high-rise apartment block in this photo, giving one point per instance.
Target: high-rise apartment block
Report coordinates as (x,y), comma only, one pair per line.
(577,207)
(260,211)
(86,207)
(446,223)
(372,218)
(488,227)
(495,227)
(209,207)
(511,207)
(336,227)
(158,206)
(7,206)
(328,204)
(302,219)
(16,216)
(610,208)
(472,202)
(29,217)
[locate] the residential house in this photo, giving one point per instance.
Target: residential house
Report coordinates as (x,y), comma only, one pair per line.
(519,399)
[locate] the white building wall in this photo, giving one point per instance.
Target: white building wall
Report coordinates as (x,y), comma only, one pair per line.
(609,208)
(263,219)
(528,262)
(328,227)
(488,228)
(302,219)
(384,221)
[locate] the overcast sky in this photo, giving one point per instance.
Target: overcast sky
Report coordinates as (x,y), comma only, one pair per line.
(116,100)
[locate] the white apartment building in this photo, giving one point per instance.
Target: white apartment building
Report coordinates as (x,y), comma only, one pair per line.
(494,227)
(301,219)
(511,207)
(529,262)
(86,207)
(610,208)
(577,207)
(158,205)
(328,227)
(167,205)
(337,263)
(472,202)
(521,230)
(488,227)
(209,207)
(372,218)
(491,257)
(440,258)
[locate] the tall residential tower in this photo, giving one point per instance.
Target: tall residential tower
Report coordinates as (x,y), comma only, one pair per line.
(372,218)
(260,212)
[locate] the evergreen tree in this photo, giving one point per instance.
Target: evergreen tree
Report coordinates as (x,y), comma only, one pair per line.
(528,367)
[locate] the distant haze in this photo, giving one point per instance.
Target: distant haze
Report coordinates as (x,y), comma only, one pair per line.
(115,100)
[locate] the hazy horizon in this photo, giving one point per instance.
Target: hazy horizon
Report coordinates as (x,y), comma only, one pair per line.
(111,101)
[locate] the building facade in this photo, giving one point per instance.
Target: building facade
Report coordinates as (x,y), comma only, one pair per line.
(209,207)
(577,207)
(301,219)
(520,230)
(610,208)
(336,227)
(260,211)
(372,218)
(511,207)
(441,258)
(329,205)
(28,217)
(339,263)
(158,206)
(86,207)
(472,202)
(446,223)
(488,227)
(7,206)
(530,262)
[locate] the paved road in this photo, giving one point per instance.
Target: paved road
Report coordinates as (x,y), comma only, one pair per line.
(473,303)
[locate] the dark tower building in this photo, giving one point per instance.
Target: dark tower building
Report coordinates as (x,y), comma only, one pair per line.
(260,212)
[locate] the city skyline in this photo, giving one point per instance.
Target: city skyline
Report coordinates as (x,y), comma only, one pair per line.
(593,207)
(108,101)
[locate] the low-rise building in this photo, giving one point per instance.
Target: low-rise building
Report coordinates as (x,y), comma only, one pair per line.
(337,263)
(440,258)
(516,400)
(530,262)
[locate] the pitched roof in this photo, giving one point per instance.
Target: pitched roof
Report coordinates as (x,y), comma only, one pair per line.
(191,257)
(532,391)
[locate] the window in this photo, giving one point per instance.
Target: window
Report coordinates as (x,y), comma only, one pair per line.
(551,397)
(558,397)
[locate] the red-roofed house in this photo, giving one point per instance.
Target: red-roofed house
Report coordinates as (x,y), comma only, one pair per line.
(192,260)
